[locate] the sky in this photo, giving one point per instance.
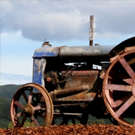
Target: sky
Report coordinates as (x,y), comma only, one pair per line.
(26,24)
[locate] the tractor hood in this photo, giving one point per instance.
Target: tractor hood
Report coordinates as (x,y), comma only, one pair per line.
(72,51)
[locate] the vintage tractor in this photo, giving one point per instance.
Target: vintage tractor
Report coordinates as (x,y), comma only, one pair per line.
(69,83)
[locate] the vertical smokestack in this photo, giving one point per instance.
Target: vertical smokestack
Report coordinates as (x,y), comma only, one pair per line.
(91,32)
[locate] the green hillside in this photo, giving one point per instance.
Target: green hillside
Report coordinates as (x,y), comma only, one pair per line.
(7,91)
(6,94)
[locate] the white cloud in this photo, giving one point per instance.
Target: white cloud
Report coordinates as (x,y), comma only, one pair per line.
(62,20)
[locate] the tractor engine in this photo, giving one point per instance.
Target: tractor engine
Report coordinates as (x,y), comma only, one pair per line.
(70,73)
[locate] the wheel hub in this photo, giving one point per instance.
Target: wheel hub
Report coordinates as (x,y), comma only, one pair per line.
(28,110)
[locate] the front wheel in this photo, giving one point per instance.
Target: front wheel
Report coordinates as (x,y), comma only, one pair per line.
(31,106)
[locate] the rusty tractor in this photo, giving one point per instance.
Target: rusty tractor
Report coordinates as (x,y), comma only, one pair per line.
(69,83)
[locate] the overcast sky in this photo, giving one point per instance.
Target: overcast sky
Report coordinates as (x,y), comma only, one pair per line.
(25,24)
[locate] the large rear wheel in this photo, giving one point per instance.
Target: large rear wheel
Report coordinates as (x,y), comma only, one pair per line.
(119,87)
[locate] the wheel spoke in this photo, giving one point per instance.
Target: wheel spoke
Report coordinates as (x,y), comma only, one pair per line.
(125,79)
(35,121)
(23,120)
(38,107)
(128,80)
(118,87)
(19,104)
(121,101)
(125,106)
(30,96)
(127,68)
(25,97)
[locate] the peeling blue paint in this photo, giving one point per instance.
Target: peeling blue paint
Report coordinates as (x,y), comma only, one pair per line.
(38,71)
(46,51)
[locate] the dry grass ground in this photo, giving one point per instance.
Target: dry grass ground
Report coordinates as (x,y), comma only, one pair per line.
(72,130)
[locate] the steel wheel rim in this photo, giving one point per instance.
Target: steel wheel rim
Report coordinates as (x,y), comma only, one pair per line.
(28,109)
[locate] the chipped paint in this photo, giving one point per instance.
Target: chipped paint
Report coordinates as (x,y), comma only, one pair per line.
(38,71)
(46,51)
